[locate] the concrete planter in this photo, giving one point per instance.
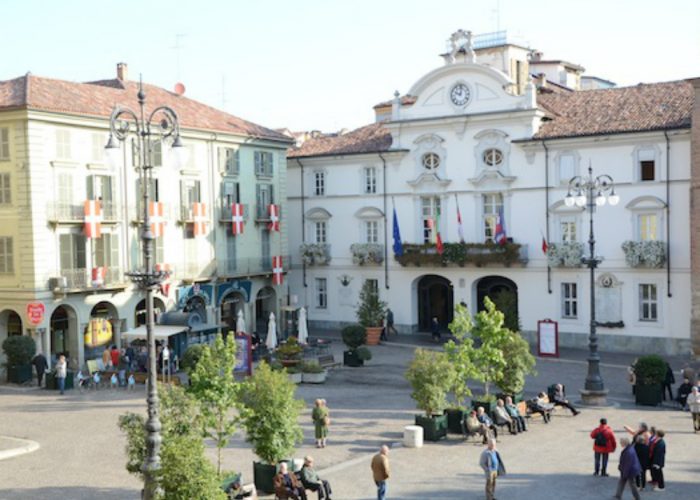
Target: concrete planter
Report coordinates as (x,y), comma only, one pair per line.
(314,378)
(295,377)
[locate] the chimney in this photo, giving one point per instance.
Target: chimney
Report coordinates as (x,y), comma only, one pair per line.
(536,56)
(541,81)
(122,71)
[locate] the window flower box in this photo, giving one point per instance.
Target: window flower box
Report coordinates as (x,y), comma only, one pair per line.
(315,254)
(645,253)
(566,254)
(461,254)
(367,253)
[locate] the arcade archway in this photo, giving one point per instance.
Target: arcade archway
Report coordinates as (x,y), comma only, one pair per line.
(504,293)
(435,299)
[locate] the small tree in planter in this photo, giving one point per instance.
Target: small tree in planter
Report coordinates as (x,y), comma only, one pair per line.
(269,413)
(289,353)
(313,373)
(370,312)
(650,373)
(520,363)
(354,337)
(431,376)
(460,353)
(19,351)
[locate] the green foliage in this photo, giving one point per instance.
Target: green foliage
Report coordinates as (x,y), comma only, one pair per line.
(269,412)
(460,254)
(363,353)
(489,359)
(185,472)
(214,387)
(370,310)
(431,376)
(520,362)
(19,350)
(289,349)
(460,353)
(191,358)
(506,301)
(354,336)
(650,369)
(311,367)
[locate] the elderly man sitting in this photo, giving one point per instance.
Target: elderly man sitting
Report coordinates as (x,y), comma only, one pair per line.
(486,420)
(473,426)
(559,399)
(311,481)
(503,418)
(287,486)
(515,414)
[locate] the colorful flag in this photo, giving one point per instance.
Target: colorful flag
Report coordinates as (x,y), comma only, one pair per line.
(500,232)
(155,212)
(274,212)
(237,218)
(199,210)
(545,247)
(398,245)
(460,228)
(277,270)
(98,276)
(438,238)
(92,210)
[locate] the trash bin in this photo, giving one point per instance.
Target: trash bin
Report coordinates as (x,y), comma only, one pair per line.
(52,383)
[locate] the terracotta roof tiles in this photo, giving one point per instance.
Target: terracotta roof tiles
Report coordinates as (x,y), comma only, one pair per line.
(372,138)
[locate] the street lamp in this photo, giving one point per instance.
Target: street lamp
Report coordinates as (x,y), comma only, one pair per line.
(161,123)
(592,192)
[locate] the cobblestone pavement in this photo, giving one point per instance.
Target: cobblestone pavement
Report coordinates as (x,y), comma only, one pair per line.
(82,451)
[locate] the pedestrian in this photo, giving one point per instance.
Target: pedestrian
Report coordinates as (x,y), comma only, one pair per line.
(311,481)
(669,380)
(629,469)
(61,372)
(683,391)
(114,355)
(632,376)
(107,358)
(435,329)
(321,418)
(604,443)
(657,458)
(390,322)
(122,367)
(380,471)
(641,448)
(493,466)
(688,372)
(693,402)
(40,365)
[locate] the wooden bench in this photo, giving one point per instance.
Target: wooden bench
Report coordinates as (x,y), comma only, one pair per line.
(328,361)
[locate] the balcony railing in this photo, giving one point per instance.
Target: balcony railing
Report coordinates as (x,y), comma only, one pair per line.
(367,253)
(461,254)
(136,213)
(262,212)
(648,253)
(565,254)
(315,254)
(75,213)
(225,214)
(249,266)
(81,279)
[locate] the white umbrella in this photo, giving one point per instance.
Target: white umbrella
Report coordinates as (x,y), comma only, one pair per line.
(303,329)
(240,323)
(271,340)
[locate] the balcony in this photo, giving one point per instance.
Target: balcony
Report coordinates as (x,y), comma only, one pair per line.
(367,253)
(650,253)
(74,213)
(462,254)
(262,213)
(566,254)
(315,254)
(136,213)
(71,280)
(248,266)
(226,216)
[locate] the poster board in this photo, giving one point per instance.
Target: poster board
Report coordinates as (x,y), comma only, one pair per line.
(548,338)
(244,354)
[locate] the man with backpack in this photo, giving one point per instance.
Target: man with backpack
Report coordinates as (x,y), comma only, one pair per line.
(603,444)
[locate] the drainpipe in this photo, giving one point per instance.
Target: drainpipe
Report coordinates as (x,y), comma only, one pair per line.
(386,234)
(546,201)
(668,215)
(303,223)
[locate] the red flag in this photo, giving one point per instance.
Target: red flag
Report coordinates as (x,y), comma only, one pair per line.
(545,247)
(438,238)
(274,224)
(98,276)
(155,211)
(92,210)
(237,217)
(460,228)
(277,270)
(199,211)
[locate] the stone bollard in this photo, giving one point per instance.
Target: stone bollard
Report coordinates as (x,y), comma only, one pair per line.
(413,436)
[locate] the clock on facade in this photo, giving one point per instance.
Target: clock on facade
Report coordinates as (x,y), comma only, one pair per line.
(460,94)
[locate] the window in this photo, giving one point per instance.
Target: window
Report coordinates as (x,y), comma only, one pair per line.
(264,197)
(373,285)
(371,231)
(157,153)
(320,231)
(431,161)
(430,208)
(263,163)
(5,192)
(647,170)
(567,167)
(153,194)
(492,157)
(106,250)
(321,293)
(190,192)
(72,251)
(63,144)
(98,147)
(370,180)
(230,194)
(99,187)
(230,267)
(7,265)
(647,227)
(569,300)
(265,248)
(65,191)
(4,143)
(159,245)
(229,161)
(648,303)
(493,205)
(568,230)
(319,183)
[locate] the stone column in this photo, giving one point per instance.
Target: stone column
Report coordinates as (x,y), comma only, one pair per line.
(695,221)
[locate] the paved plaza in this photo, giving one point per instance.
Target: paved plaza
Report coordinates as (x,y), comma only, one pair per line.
(81,454)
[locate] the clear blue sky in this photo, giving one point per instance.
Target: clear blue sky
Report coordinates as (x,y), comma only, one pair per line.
(323,64)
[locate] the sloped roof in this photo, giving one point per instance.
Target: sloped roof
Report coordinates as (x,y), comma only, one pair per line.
(97,99)
(372,138)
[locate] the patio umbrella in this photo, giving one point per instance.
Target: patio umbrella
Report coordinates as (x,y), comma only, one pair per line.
(303,329)
(271,340)
(240,323)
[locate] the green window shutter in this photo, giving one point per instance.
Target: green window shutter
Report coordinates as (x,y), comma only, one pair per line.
(79,250)
(64,244)
(100,254)
(90,187)
(114,250)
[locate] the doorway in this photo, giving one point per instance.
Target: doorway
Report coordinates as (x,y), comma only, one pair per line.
(435,299)
(504,294)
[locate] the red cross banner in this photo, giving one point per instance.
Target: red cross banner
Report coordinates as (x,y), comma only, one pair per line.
(163,268)
(93,218)
(274,211)
(237,218)
(277,270)
(199,210)
(155,211)
(98,275)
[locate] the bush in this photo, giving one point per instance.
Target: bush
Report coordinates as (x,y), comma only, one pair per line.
(191,358)
(650,369)
(19,350)
(431,376)
(354,336)
(311,367)
(289,350)
(363,353)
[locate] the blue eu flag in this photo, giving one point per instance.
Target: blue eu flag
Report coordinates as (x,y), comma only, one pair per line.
(398,246)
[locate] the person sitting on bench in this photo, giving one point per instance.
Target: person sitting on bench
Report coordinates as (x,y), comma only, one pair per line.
(539,405)
(501,416)
(311,481)
(287,485)
(515,414)
(683,390)
(486,420)
(473,426)
(559,399)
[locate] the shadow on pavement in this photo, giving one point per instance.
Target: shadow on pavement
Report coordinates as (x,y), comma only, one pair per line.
(70,492)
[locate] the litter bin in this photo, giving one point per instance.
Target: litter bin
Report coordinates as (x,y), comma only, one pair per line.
(52,383)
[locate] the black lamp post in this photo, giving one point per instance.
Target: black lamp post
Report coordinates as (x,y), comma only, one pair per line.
(592,192)
(160,124)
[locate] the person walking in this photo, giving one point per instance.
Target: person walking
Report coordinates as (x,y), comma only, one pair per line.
(321,418)
(380,471)
(107,357)
(40,365)
(693,403)
(493,466)
(311,481)
(61,372)
(657,456)
(629,469)
(435,329)
(390,322)
(669,380)
(604,443)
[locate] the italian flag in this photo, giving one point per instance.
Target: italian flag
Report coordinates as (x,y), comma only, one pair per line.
(438,238)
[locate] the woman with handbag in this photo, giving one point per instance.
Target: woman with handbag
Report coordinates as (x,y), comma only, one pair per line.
(321,418)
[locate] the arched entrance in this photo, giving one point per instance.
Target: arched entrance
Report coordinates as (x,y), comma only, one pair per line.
(265,302)
(10,324)
(504,293)
(230,305)
(100,329)
(140,311)
(435,299)
(63,328)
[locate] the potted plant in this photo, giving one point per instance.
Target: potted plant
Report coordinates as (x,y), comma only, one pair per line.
(289,352)
(269,413)
(431,376)
(354,337)
(650,373)
(370,312)
(313,373)
(511,381)
(19,351)
(294,374)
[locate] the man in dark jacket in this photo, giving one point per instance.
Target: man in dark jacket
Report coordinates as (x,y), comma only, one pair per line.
(603,444)
(629,469)
(657,455)
(668,381)
(40,365)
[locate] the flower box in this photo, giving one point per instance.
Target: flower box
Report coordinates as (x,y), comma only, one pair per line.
(645,253)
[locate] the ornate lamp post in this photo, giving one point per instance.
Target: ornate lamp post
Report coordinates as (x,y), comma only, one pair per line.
(160,124)
(592,192)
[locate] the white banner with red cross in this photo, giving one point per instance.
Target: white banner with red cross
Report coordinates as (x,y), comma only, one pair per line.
(274,212)
(155,212)
(199,211)
(277,270)
(98,276)
(237,218)
(92,210)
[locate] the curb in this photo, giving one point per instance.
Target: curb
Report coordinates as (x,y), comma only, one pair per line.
(25,446)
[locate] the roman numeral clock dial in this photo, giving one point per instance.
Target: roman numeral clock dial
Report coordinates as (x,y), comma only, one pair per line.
(460,94)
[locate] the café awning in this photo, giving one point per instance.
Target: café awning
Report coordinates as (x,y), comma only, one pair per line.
(161,332)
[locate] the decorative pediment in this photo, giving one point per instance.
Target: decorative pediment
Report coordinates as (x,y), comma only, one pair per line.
(646,203)
(318,213)
(369,213)
(493,177)
(429,179)
(560,207)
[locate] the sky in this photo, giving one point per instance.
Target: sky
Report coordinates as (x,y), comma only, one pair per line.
(323,64)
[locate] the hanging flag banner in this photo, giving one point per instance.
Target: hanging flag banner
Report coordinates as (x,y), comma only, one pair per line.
(460,227)
(398,245)
(277,270)
(155,212)
(274,212)
(92,210)
(199,211)
(499,235)
(98,276)
(237,218)
(438,237)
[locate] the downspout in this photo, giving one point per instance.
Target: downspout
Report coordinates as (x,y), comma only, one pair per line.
(303,223)
(213,201)
(386,234)
(668,215)
(546,200)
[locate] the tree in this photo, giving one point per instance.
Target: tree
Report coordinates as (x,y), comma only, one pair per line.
(460,353)
(516,351)
(431,376)
(214,387)
(185,472)
(370,310)
(507,302)
(489,360)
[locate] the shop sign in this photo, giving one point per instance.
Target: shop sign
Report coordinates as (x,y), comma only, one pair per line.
(35,313)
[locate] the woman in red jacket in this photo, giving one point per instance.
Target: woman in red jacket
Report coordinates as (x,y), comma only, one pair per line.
(603,444)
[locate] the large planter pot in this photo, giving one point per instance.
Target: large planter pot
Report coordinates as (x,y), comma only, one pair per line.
(434,428)
(373,334)
(488,405)
(350,358)
(52,381)
(263,474)
(19,374)
(295,377)
(314,378)
(648,394)
(455,417)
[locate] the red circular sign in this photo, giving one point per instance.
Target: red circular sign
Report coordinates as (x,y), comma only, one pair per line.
(35,312)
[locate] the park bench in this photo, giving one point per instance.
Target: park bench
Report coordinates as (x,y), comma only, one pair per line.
(328,361)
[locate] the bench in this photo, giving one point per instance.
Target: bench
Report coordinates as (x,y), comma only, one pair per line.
(328,361)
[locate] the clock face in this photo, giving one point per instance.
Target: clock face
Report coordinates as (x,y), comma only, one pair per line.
(460,94)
